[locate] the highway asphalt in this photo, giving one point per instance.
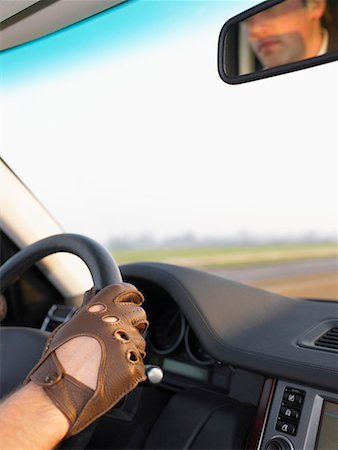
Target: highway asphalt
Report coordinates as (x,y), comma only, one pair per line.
(316,278)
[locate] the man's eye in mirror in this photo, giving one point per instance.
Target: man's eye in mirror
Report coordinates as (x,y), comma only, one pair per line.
(288,32)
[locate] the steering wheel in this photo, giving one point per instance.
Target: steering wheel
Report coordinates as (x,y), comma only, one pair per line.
(30,342)
(104,271)
(103,268)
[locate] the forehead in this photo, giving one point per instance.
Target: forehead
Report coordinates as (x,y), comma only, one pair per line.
(287,7)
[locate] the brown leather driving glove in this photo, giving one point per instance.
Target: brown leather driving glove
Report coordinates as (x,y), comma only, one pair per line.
(117,325)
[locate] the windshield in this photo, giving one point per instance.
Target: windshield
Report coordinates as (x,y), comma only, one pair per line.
(122,128)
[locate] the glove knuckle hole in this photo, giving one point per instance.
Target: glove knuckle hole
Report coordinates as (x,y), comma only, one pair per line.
(141,327)
(130,298)
(110,319)
(97,307)
(121,336)
(138,300)
(132,356)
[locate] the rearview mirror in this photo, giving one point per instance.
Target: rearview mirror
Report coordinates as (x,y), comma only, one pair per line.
(278,36)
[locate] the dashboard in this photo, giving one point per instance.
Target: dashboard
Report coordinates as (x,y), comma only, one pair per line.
(204,327)
(173,344)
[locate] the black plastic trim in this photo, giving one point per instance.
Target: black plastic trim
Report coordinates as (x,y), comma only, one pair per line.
(244,326)
(190,352)
(309,339)
(287,68)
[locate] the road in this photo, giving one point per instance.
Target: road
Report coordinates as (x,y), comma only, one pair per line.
(309,279)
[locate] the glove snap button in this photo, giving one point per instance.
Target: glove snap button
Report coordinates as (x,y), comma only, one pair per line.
(51,378)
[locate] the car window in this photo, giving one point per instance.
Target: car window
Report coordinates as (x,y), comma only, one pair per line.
(122,128)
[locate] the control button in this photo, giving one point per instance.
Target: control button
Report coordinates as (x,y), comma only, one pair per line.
(294,399)
(277,443)
(286,427)
(289,413)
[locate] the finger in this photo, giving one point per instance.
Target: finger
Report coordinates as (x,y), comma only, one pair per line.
(120,293)
(141,326)
(88,296)
(130,336)
(130,296)
(126,312)
(138,341)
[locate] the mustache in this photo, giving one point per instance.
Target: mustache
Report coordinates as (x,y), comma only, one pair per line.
(261,44)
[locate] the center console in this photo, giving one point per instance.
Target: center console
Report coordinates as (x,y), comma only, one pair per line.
(301,418)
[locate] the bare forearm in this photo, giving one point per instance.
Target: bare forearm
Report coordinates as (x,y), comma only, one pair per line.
(30,420)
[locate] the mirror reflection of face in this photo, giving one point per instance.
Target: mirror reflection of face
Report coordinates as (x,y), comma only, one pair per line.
(288,32)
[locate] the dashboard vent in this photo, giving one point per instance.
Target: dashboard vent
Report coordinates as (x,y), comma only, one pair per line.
(328,339)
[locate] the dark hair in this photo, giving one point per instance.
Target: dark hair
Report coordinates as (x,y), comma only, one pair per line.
(330,16)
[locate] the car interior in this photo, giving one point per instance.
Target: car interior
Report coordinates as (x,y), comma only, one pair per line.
(243,368)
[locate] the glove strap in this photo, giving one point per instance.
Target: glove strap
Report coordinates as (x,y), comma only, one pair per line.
(68,394)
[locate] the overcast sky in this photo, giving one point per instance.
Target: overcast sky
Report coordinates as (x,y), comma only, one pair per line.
(138,134)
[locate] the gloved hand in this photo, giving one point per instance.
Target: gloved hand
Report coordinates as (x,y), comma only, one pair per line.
(114,318)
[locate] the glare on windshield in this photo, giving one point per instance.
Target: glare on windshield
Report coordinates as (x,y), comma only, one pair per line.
(122,128)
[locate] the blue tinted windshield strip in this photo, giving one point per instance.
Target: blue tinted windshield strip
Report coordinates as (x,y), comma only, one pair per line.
(130,25)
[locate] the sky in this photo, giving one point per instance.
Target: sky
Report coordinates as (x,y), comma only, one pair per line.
(121,126)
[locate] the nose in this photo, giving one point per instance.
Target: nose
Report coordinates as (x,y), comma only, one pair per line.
(257,26)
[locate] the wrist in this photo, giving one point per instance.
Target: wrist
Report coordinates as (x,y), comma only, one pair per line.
(29,419)
(54,422)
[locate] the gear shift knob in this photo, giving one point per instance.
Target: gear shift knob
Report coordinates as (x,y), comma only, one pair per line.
(154,375)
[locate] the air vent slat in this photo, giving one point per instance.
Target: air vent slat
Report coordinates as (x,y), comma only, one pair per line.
(329,336)
(335,346)
(328,339)
(333,331)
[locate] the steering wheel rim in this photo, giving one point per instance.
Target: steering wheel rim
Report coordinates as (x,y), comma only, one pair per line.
(101,264)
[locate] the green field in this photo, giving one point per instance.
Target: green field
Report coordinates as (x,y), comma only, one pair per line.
(229,256)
